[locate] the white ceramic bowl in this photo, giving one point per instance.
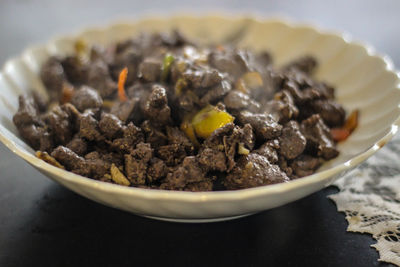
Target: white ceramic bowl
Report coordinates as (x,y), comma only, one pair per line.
(364,81)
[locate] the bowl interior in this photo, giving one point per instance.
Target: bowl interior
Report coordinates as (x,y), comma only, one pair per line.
(363,80)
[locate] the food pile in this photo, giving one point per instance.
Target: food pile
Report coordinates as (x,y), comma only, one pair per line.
(160,111)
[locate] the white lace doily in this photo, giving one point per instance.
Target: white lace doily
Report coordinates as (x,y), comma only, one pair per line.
(370,198)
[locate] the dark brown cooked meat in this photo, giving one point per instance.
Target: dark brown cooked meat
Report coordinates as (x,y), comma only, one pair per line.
(110,125)
(176,136)
(136,163)
(231,61)
(75,70)
(86,98)
(172,154)
(53,77)
(305,165)
(195,118)
(282,108)
(156,170)
(78,145)
(153,134)
(306,64)
(269,150)
(89,127)
(27,112)
(292,142)
(99,77)
(156,108)
(264,125)
(61,124)
(319,139)
(254,170)
(185,176)
(150,70)
(30,126)
(125,110)
(213,159)
(331,112)
(71,161)
(132,135)
(98,166)
(236,100)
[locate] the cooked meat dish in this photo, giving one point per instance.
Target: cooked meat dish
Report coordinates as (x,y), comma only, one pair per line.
(160,111)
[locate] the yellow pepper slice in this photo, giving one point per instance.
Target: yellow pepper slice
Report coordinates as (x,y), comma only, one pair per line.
(209,119)
(188,129)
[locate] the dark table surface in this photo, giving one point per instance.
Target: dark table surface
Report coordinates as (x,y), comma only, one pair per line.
(43,224)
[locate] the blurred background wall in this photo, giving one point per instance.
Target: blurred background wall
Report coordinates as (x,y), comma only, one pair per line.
(23,22)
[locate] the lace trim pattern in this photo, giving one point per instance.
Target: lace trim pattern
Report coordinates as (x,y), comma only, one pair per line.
(370,198)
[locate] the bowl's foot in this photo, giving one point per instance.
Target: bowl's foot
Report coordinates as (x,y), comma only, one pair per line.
(210,220)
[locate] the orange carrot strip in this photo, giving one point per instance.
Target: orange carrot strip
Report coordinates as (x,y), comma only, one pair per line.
(342,133)
(121,84)
(352,121)
(66,93)
(339,134)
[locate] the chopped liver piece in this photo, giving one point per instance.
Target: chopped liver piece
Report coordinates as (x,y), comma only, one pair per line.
(185,175)
(153,134)
(78,145)
(213,160)
(86,98)
(264,125)
(282,108)
(125,110)
(30,126)
(292,142)
(269,150)
(156,107)
(305,165)
(237,100)
(89,128)
(150,69)
(98,166)
(75,71)
(71,161)
(306,64)
(156,170)
(99,78)
(61,124)
(136,163)
(136,170)
(254,170)
(319,139)
(27,112)
(110,125)
(331,112)
(172,154)
(53,77)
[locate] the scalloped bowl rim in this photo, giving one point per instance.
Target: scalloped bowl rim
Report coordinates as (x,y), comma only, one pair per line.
(212,195)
